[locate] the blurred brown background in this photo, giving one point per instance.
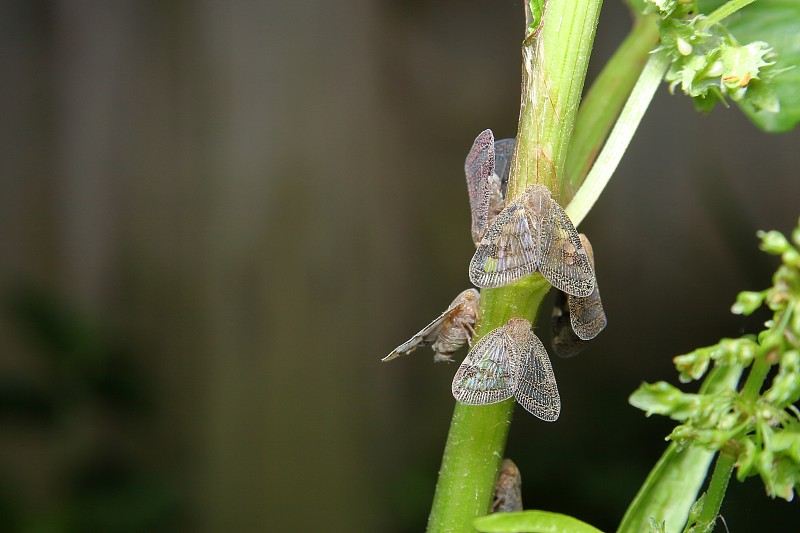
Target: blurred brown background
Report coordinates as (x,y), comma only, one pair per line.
(217,217)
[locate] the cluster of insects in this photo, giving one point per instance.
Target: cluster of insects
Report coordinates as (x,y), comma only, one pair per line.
(515,239)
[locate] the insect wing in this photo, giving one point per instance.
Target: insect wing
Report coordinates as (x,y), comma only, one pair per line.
(508,252)
(564,340)
(503,152)
(536,389)
(587,316)
(425,336)
(565,263)
(507,489)
(498,182)
(478,167)
(460,314)
(488,373)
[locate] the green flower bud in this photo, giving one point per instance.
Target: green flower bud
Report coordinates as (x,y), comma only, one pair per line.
(747,302)
(773,242)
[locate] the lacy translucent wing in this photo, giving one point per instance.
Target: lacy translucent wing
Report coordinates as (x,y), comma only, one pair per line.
(577,319)
(565,263)
(508,252)
(564,341)
(448,332)
(488,373)
(507,489)
(587,316)
(498,181)
(479,167)
(503,152)
(536,389)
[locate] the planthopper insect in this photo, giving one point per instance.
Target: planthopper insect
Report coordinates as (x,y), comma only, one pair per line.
(509,361)
(487,169)
(507,489)
(532,233)
(577,319)
(448,332)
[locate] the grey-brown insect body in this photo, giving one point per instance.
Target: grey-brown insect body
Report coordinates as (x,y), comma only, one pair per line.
(448,332)
(457,329)
(507,489)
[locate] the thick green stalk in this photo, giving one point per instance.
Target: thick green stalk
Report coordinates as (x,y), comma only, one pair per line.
(478,434)
(554,67)
(671,488)
(554,62)
(604,99)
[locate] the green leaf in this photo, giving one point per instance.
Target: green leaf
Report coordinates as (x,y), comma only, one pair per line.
(776,22)
(672,486)
(532,522)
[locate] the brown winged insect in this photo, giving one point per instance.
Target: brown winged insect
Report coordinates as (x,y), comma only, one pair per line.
(576,319)
(487,168)
(448,332)
(509,361)
(532,233)
(507,489)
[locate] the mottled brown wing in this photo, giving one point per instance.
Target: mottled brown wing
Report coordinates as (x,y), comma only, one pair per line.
(564,341)
(478,167)
(486,375)
(508,252)
(587,316)
(565,263)
(536,389)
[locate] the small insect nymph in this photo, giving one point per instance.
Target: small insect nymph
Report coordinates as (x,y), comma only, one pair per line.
(533,233)
(509,361)
(448,332)
(507,489)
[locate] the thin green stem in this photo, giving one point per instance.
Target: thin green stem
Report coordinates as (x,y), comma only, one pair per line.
(619,138)
(755,380)
(604,99)
(723,11)
(716,492)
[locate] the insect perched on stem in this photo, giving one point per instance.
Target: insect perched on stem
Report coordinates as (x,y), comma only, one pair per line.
(532,233)
(487,168)
(507,489)
(448,332)
(509,361)
(577,319)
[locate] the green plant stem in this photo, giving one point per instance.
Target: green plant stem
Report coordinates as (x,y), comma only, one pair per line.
(554,64)
(716,492)
(554,67)
(755,380)
(619,138)
(478,434)
(723,11)
(672,486)
(604,99)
